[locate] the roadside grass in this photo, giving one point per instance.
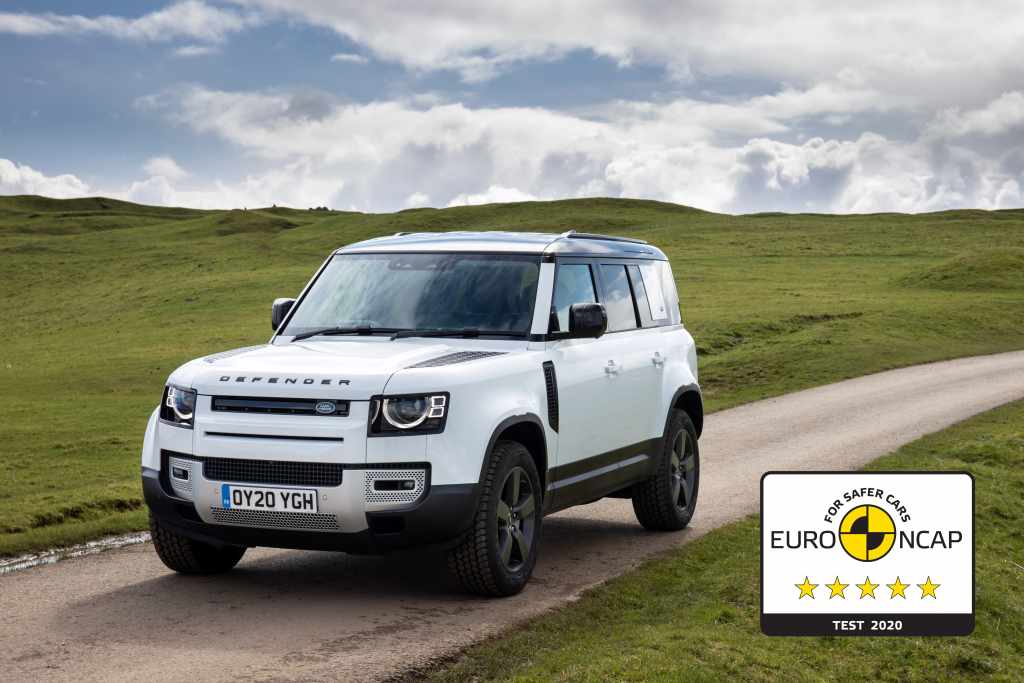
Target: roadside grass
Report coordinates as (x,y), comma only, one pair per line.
(692,614)
(105,298)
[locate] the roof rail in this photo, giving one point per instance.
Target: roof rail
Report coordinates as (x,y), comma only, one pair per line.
(572,234)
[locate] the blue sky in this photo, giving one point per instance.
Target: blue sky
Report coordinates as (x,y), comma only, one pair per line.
(380,106)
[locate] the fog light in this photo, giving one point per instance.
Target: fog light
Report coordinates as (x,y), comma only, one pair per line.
(179,473)
(394,485)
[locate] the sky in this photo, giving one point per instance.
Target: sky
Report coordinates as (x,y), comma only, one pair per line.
(378,106)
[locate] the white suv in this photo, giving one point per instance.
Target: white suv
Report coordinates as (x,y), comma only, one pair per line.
(445,389)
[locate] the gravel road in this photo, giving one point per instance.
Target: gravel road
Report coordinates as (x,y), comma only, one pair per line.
(287,615)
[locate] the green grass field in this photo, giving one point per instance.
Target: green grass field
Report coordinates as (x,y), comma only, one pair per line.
(105,298)
(692,615)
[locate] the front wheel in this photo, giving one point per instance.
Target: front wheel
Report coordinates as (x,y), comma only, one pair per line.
(189,556)
(498,555)
(666,501)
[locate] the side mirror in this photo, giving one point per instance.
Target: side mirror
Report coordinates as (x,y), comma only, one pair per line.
(587,321)
(279,311)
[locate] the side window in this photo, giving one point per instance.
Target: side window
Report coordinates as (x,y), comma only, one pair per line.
(640,294)
(655,293)
(618,298)
(573,285)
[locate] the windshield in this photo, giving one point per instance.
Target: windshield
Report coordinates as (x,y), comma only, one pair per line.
(489,293)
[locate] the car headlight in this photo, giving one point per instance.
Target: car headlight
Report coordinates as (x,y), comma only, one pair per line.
(178,406)
(412,414)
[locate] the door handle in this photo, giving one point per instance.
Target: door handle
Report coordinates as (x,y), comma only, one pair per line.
(658,359)
(612,368)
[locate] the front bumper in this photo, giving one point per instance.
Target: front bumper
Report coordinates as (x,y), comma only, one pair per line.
(440,517)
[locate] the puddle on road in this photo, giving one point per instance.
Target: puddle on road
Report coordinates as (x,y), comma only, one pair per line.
(13,564)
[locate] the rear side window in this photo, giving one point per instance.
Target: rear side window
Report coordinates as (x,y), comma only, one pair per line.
(655,293)
(640,294)
(573,285)
(618,298)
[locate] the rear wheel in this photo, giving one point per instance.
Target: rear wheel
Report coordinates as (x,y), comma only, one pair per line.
(498,555)
(189,556)
(666,501)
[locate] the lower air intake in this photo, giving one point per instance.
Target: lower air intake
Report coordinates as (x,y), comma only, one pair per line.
(273,472)
(268,519)
(180,474)
(395,486)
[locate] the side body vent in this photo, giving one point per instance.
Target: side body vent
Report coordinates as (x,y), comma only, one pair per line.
(457,357)
(551,383)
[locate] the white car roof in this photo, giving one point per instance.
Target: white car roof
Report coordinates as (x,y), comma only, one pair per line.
(570,243)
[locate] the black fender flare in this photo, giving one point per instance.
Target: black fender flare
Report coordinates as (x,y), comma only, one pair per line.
(512,421)
(698,420)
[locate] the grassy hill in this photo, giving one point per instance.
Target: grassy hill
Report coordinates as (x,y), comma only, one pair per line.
(104,298)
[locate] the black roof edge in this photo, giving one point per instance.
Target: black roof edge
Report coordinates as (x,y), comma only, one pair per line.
(572,234)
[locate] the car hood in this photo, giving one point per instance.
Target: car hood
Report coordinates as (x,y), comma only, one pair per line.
(348,369)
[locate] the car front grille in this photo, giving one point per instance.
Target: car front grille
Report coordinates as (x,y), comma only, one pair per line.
(280,406)
(272,472)
(272,519)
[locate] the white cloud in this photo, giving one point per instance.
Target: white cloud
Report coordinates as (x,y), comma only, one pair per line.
(1003,114)
(165,167)
(307,150)
(20,179)
(191,19)
(417,200)
(296,184)
(909,48)
(195,51)
(349,58)
(739,156)
(493,194)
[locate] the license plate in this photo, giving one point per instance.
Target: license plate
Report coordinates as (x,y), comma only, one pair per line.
(265,498)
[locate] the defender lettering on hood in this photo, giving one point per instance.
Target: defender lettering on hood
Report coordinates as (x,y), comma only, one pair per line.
(326,381)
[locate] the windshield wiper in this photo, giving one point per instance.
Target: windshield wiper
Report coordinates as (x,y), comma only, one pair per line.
(466,332)
(331,331)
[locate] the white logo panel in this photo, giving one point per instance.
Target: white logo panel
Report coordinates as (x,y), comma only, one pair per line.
(866,553)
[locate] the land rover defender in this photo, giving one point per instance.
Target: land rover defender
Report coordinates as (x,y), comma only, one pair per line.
(435,389)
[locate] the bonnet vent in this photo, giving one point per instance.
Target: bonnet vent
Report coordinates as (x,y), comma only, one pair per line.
(228,354)
(458,357)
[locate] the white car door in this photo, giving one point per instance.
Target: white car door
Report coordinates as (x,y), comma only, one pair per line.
(652,310)
(585,388)
(633,348)
(605,386)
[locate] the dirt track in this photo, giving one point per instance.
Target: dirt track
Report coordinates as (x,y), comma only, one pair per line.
(285,615)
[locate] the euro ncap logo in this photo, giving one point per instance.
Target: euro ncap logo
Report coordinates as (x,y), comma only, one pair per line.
(867,553)
(867,533)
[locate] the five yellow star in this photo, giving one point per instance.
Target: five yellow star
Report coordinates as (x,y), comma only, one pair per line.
(837,589)
(898,588)
(806,588)
(928,588)
(867,588)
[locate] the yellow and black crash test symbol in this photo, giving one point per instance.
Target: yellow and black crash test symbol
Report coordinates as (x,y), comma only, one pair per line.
(867,533)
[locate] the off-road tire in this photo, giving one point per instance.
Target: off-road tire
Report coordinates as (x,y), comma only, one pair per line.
(654,503)
(189,556)
(477,561)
